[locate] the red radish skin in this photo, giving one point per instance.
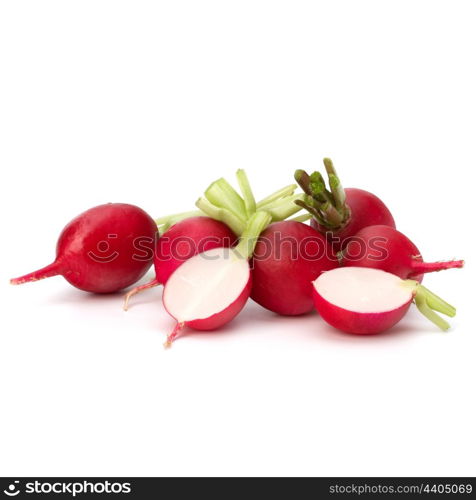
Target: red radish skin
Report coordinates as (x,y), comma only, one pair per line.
(366,301)
(383,247)
(357,323)
(284,267)
(365,209)
(181,241)
(103,250)
(186,239)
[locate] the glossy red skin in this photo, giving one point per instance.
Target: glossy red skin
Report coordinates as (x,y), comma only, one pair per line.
(96,251)
(284,285)
(401,256)
(221,317)
(366,209)
(201,233)
(358,323)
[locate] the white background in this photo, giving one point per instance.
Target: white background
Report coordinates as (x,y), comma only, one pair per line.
(146,103)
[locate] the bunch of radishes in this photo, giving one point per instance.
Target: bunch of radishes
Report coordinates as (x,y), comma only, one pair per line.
(350,263)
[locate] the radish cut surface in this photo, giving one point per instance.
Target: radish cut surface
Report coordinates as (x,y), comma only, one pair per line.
(363,300)
(206,284)
(363,290)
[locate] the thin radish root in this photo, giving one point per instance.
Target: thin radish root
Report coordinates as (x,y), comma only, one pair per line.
(420,267)
(52,269)
(395,254)
(137,290)
(173,335)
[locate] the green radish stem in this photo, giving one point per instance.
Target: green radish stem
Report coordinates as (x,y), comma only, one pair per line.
(302,218)
(331,214)
(255,226)
(282,209)
(334,183)
(247,192)
(281,193)
(318,188)
(221,194)
(163,223)
(312,211)
(223,203)
(427,303)
(236,224)
(180,215)
(328,206)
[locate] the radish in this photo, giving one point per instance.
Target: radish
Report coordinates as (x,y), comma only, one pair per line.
(189,233)
(339,213)
(103,250)
(366,301)
(210,289)
(383,247)
(289,255)
(181,241)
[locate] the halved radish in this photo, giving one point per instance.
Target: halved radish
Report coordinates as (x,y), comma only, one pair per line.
(181,241)
(210,289)
(366,301)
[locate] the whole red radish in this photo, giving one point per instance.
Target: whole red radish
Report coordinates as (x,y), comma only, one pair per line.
(103,250)
(289,255)
(383,247)
(364,209)
(182,241)
(362,300)
(210,289)
(339,213)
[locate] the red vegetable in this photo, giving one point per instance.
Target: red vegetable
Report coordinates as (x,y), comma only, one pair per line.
(182,241)
(289,255)
(339,213)
(364,209)
(383,247)
(210,289)
(105,249)
(365,301)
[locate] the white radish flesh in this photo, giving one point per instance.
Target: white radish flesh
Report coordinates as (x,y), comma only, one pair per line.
(363,290)
(206,284)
